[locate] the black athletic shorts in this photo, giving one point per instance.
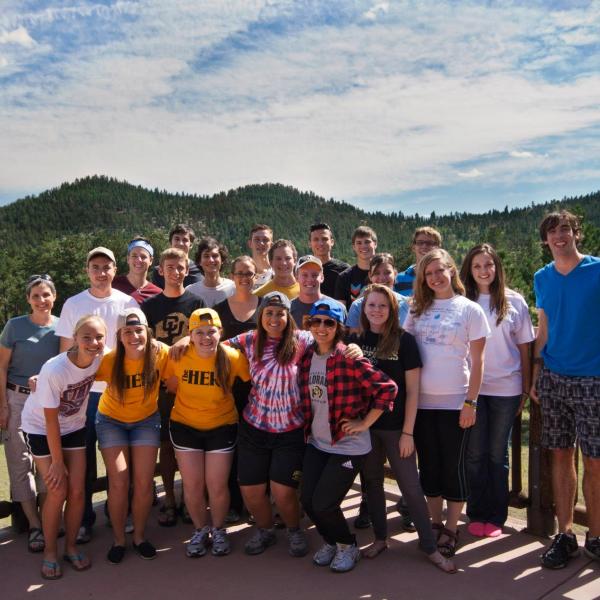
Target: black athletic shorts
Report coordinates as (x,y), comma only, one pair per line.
(38,444)
(264,456)
(188,439)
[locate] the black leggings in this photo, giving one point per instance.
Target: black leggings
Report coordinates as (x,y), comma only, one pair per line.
(326,479)
(442,446)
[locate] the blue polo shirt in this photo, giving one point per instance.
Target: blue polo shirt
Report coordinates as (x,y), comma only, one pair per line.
(572,306)
(404,281)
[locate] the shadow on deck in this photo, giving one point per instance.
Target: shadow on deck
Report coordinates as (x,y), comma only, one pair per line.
(503,568)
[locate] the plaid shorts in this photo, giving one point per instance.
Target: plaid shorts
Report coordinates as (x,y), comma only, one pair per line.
(570,411)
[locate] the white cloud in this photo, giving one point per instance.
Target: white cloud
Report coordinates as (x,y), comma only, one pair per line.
(207,96)
(521,154)
(376,10)
(470,174)
(19,36)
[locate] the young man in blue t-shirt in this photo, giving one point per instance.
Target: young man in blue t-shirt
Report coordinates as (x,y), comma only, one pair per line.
(566,379)
(425,239)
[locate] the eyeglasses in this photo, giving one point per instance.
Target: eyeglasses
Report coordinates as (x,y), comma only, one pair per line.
(246,274)
(44,277)
(314,322)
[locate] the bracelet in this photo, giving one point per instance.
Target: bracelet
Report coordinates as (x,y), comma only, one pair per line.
(471,403)
(406,433)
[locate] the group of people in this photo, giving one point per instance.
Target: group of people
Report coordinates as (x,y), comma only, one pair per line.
(279,385)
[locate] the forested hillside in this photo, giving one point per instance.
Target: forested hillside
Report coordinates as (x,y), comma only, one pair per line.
(52,232)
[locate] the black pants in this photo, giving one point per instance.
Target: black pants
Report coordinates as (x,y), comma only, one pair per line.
(326,479)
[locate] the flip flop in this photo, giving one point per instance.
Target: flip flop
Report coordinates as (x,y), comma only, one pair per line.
(167,516)
(375,549)
(77,561)
(51,564)
(35,540)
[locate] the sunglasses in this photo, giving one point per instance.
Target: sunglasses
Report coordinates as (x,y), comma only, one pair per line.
(44,277)
(329,323)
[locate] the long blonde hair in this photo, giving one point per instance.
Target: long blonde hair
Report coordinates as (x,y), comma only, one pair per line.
(423,295)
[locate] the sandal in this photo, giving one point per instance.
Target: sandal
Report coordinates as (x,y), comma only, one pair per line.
(53,566)
(442,563)
(79,561)
(437,530)
(375,549)
(184,514)
(35,540)
(168,516)
(447,548)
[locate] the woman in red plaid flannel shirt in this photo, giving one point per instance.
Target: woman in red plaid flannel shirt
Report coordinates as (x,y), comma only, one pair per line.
(341,397)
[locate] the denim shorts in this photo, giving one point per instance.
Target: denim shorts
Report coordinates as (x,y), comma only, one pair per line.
(112,433)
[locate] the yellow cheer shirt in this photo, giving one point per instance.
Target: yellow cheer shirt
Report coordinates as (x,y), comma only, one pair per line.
(200,403)
(132,406)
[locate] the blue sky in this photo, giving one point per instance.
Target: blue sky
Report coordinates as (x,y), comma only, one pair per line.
(408,106)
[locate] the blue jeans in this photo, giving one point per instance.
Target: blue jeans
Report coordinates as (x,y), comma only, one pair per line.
(91,469)
(487,459)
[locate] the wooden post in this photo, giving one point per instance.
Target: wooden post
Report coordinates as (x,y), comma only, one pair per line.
(540,513)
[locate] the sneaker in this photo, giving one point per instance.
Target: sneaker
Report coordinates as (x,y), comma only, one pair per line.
(145,550)
(363,521)
(297,545)
(84,535)
(220,542)
(476,528)
(197,545)
(563,548)
(129,525)
(592,546)
(260,541)
(407,523)
(233,516)
(492,530)
(346,557)
(324,555)
(115,554)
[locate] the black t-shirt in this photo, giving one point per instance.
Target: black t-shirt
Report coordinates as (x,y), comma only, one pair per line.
(408,358)
(349,285)
(231,326)
(194,275)
(168,317)
(331,270)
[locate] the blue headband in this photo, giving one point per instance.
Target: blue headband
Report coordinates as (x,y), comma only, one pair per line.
(141,244)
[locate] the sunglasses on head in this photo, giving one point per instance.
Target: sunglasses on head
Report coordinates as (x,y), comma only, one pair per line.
(315,322)
(44,277)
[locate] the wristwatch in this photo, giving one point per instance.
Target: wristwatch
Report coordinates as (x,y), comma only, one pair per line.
(471,403)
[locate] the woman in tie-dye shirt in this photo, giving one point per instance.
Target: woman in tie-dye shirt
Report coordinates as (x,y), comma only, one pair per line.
(271,432)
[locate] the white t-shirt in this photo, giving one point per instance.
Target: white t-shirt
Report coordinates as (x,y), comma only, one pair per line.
(263,278)
(62,385)
(443,333)
(85,303)
(502,369)
(213,295)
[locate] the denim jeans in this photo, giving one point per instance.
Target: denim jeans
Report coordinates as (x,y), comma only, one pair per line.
(487,459)
(91,470)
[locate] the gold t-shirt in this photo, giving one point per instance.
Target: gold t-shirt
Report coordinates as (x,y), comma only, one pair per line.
(132,406)
(200,403)
(291,291)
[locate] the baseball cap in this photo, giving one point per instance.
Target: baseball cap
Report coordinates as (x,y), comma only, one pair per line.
(275,299)
(308,259)
(328,308)
(130,317)
(204,316)
(100,250)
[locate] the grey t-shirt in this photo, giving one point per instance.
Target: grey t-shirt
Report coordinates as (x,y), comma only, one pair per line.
(300,309)
(320,432)
(31,345)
